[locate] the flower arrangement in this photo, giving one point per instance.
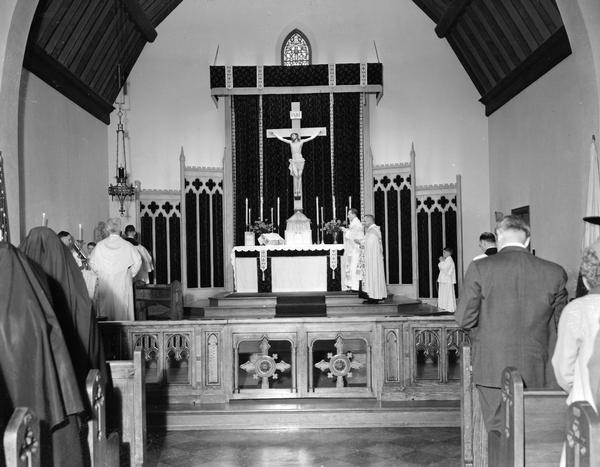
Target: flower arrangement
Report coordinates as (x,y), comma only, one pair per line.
(332,227)
(260,227)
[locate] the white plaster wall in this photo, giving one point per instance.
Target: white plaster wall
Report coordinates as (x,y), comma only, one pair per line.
(428,99)
(63,149)
(15,19)
(539,150)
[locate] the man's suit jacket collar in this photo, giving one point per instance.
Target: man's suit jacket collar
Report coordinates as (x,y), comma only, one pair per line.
(514,247)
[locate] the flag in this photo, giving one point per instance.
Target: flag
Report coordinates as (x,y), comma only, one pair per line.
(591,229)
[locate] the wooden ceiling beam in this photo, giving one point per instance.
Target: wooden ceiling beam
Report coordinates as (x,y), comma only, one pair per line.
(448,19)
(427,9)
(475,7)
(143,23)
(477,54)
(543,59)
(64,81)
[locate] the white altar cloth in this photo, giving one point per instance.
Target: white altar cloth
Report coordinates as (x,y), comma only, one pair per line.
(297,268)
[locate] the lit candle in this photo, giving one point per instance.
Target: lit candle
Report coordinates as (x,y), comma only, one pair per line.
(349,202)
(322,218)
(278,212)
(261,209)
(346,212)
(271,216)
(317,208)
(44,219)
(80,233)
(249,216)
(333,201)
(246,213)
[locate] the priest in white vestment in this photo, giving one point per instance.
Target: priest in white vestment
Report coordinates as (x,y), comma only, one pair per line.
(116,262)
(374,284)
(446,281)
(353,236)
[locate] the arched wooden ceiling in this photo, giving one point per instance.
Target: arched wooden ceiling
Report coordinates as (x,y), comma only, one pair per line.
(504,45)
(77,46)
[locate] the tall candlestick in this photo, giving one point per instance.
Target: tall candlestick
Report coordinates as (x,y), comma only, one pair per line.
(80,233)
(261,209)
(333,201)
(246,213)
(44,219)
(278,213)
(317,209)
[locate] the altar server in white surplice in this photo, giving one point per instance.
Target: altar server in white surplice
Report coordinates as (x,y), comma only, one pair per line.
(446,281)
(116,262)
(353,236)
(372,265)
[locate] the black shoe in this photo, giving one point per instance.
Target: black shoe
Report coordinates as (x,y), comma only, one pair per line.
(371,301)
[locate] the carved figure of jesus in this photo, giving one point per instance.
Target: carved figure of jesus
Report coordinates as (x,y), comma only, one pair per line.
(297,161)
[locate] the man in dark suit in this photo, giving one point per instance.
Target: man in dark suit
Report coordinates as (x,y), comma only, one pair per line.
(510,301)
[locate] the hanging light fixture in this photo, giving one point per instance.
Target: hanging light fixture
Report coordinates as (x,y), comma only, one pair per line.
(122,190)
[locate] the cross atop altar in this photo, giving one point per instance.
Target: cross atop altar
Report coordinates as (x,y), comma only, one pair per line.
(296,134)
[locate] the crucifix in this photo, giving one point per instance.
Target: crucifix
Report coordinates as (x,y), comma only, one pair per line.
(297,137)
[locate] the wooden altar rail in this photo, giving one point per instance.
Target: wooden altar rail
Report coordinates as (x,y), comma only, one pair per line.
(402,358)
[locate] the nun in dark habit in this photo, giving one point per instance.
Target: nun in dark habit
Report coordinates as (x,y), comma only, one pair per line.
(35,368)
(70,299)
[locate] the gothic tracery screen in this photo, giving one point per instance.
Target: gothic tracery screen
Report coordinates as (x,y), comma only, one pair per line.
(295,49)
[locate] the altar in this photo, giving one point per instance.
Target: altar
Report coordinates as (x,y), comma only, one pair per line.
(285,268)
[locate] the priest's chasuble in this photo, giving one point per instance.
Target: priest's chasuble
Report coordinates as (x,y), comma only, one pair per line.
(374,272)
(116,262)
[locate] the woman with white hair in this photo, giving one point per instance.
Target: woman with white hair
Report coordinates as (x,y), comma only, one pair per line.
(576,359)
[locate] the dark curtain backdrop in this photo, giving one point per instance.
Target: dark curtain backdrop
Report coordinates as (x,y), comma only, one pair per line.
(348,178)
(246,171)
(316,177)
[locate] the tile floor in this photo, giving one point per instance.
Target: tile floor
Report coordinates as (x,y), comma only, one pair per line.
(379,447)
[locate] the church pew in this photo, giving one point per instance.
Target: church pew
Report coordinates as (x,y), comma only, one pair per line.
(22,439)
(583,435)
(127,402)
(473,435)
(534,424)
(103,447)
(167,295)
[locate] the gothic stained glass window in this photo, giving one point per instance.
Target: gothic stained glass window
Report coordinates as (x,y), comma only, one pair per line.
(295,49)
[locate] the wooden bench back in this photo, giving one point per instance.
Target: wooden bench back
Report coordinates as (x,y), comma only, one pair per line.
(22,439)
(534,423)
(128,402)
(583,436)
(104,448)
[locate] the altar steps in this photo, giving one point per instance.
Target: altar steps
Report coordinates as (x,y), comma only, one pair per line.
(305,413)
(264,305)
